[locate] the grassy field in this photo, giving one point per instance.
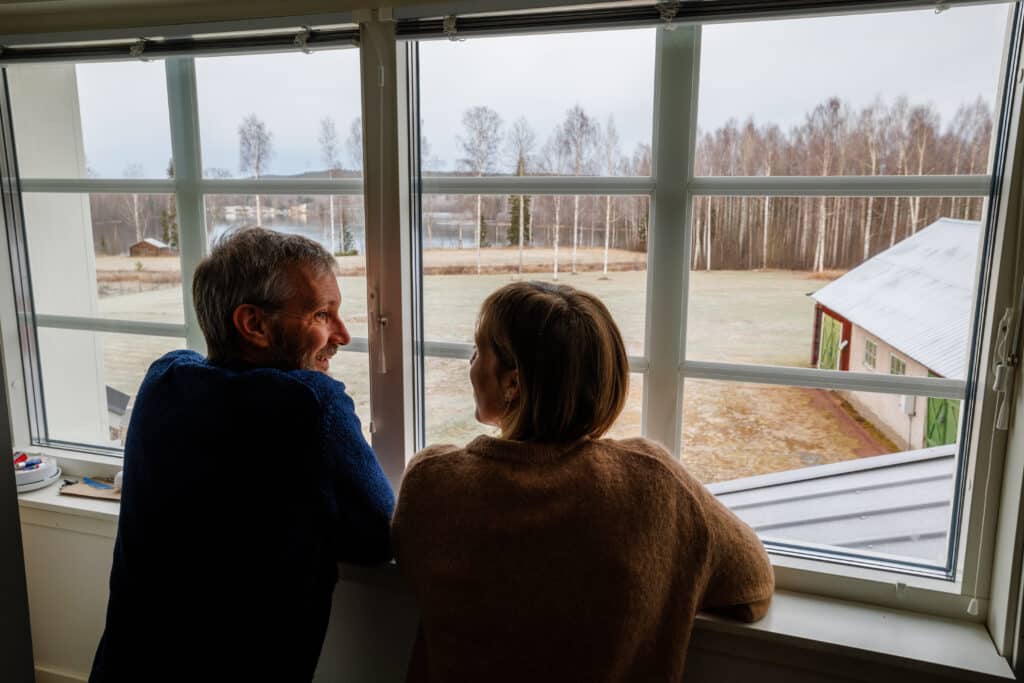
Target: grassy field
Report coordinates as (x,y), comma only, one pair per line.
(729,430)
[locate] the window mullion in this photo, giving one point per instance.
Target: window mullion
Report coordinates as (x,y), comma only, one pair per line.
(293,186)
(386,187)
(538,185)
(932,387)
(842,186)
(183,111)
(97,185)
(677,73)
(110,325)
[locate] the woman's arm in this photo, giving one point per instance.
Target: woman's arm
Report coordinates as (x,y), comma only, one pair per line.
(740,575)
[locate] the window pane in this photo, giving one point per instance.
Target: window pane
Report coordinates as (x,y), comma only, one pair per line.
(454,287)
(538,105)
(450,410)
(104,120)
(811,97)
(866,472)
(105,255)
(810,292)
(285,114)
(336,222)
(89,377)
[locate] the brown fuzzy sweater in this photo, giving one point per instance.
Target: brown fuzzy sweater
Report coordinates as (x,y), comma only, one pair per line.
(580,562)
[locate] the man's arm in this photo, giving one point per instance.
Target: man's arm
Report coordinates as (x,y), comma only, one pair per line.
(361,495)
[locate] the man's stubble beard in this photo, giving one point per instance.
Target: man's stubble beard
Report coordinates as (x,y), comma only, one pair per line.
(288,355)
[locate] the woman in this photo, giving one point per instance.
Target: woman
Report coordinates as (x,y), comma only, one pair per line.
(550,554)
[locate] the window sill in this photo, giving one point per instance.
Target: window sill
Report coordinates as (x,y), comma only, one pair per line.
(926,644)
(49,499)
(889,637)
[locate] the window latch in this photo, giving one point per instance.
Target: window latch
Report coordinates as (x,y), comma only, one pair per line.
(380,323)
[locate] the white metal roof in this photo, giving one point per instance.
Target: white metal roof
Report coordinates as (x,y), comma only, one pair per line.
(893,506)
(917,296)
(156,243)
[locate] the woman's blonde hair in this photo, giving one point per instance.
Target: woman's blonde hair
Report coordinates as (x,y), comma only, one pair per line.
(572,364)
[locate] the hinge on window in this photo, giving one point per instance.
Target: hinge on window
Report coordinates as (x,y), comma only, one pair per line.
(450,29)
(137,49)
(668,11)
(302,40)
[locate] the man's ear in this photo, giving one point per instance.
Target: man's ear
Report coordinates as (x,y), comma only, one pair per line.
(253,325)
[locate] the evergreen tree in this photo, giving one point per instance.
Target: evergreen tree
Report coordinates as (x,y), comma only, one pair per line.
(169,216)
(513,212)
(485,238)
(347,242)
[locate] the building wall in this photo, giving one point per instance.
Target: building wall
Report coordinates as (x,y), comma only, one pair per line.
(886,411)
(143,249)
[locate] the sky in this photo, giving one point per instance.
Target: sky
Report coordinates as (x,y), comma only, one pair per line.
(774,71)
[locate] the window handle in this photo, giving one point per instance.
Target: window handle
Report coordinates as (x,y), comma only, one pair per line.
(380,322)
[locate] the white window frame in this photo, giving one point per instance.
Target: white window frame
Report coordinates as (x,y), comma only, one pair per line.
(672,189)
(664,364)
(893,360)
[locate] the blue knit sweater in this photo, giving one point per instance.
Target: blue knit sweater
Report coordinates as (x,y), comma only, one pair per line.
(243,488)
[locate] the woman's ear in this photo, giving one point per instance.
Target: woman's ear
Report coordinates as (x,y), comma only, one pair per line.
(253,325)
(510,386)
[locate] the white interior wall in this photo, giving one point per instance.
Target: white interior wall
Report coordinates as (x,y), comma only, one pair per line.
(373,622)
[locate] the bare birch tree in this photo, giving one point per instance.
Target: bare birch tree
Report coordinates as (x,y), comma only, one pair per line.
(328,140)
(354,143)
(555,161)
(521,141)
(611,154)
(255,148)
(579,134)
(133,206)
(480,141)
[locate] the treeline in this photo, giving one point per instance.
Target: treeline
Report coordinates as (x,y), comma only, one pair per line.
(824,233)
(810,233)
(819,233)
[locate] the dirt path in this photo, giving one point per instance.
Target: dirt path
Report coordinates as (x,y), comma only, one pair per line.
(733,430)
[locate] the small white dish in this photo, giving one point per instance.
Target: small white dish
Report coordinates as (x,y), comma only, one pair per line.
(25,488)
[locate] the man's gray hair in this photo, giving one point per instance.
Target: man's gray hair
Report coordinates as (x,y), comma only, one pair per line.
(248,266)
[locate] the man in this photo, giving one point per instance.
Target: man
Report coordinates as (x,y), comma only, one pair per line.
(246,479)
